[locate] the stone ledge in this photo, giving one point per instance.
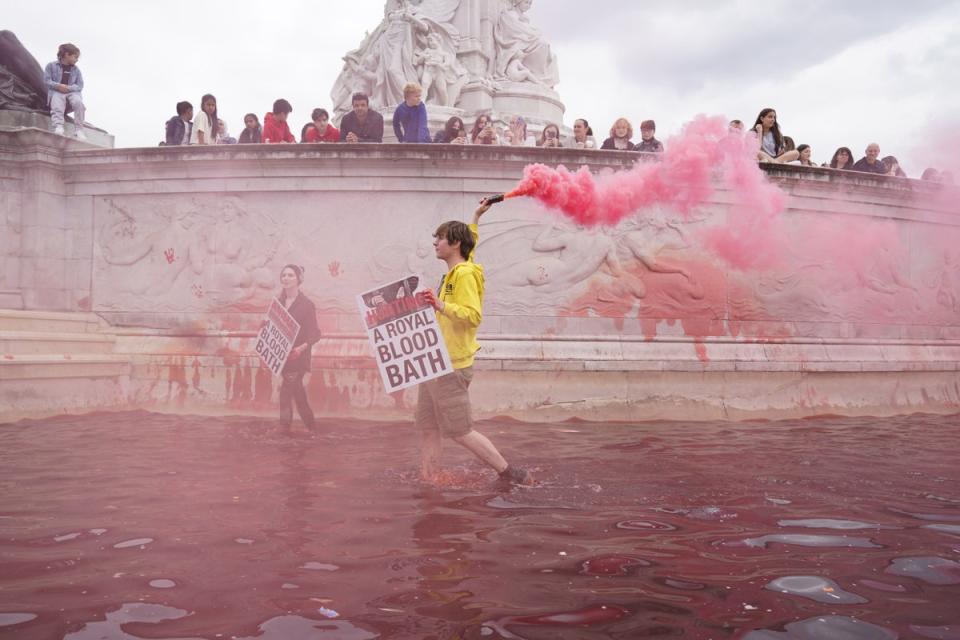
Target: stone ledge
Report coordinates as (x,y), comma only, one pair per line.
(45,366)
(39,321)
(368,363)
(25,342)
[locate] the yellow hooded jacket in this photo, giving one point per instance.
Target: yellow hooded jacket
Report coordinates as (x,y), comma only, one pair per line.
(461,291)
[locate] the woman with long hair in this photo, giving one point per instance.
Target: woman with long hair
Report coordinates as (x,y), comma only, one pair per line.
(453,132)
(550,137)
(893,167)
(483,131)
(251,129)
(298,362)
(205,127)
(621,136)
(770,142)
(805,151)
(842,159)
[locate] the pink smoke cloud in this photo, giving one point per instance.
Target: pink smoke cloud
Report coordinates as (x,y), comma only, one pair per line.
(704,154)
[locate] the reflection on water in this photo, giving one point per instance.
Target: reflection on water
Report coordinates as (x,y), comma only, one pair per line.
(815,588)
(191,527)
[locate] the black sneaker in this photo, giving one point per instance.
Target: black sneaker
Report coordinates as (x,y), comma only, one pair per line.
(516,475)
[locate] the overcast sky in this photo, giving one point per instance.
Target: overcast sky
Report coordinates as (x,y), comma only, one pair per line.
(838,73)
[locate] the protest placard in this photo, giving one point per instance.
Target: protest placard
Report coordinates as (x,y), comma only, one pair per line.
(276,337)
(403,331)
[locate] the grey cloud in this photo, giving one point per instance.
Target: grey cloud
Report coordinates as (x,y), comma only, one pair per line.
(697,44)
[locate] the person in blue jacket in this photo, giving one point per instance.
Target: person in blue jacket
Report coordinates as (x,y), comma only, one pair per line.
(410,117)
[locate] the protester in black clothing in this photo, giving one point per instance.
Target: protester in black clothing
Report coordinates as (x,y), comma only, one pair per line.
(361,124)
(252,132)
(298,363)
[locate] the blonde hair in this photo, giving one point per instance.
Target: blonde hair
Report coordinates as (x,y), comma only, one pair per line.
(616,124)
(411,87)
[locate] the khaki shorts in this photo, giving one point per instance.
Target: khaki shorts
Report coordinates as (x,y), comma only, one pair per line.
(443,404)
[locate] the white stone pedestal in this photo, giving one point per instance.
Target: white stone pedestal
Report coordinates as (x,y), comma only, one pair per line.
(33,120)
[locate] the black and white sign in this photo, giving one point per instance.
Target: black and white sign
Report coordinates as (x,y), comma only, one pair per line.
(276,337)
(403,331)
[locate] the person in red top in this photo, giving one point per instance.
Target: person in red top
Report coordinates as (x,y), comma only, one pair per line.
(275,127)
(321,130)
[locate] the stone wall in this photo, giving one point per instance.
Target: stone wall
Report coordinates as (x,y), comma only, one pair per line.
(179,249)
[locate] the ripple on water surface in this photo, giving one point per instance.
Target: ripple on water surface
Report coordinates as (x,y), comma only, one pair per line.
(827,523)
(645,525)
(10,619)
(950,632)
(163,583)
(803,540)
(301,628)
(112,627)
(826,628)
(136,542)
(930,569)
(953,529)
(613,565)
(815,588)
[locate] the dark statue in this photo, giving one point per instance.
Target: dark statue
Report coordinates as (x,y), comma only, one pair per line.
(21,78)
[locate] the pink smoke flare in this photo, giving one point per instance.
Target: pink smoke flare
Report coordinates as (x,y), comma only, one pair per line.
(683,180)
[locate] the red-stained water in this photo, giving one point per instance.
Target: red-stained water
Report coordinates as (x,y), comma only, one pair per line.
(139,525)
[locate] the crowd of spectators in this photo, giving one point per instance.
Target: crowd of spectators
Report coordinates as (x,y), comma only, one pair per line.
(410,124)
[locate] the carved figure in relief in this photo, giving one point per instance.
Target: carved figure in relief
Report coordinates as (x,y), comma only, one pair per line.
(568,258)
(522,55)
(243,251)
(946,279)
(150,262)
(441,74)
(652,235)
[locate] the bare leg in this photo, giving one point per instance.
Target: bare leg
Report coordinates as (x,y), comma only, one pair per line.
(431,447)
(480,446)
(787,156)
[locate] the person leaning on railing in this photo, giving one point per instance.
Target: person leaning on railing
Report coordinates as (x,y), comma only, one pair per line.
(453,132)
(483,131)
(648,140)
(583,135)
(621,134)
(550,137)
(870,162)
(842,159)
(361,124)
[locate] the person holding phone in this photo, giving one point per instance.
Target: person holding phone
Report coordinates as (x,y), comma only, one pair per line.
(550,136)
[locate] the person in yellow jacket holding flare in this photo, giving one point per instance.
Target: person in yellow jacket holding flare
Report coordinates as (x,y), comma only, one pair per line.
(443,404)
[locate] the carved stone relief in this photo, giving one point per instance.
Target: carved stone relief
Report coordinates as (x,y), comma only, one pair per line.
(224,253)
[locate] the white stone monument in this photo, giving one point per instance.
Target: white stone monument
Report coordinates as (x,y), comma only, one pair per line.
(472,57)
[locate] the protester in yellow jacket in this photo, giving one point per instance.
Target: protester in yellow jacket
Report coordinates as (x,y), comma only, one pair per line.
(443,404)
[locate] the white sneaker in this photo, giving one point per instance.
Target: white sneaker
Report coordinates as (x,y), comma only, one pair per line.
(80,135)
(58,130)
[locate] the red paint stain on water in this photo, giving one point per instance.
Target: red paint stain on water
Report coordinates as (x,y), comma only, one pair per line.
(632,530)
